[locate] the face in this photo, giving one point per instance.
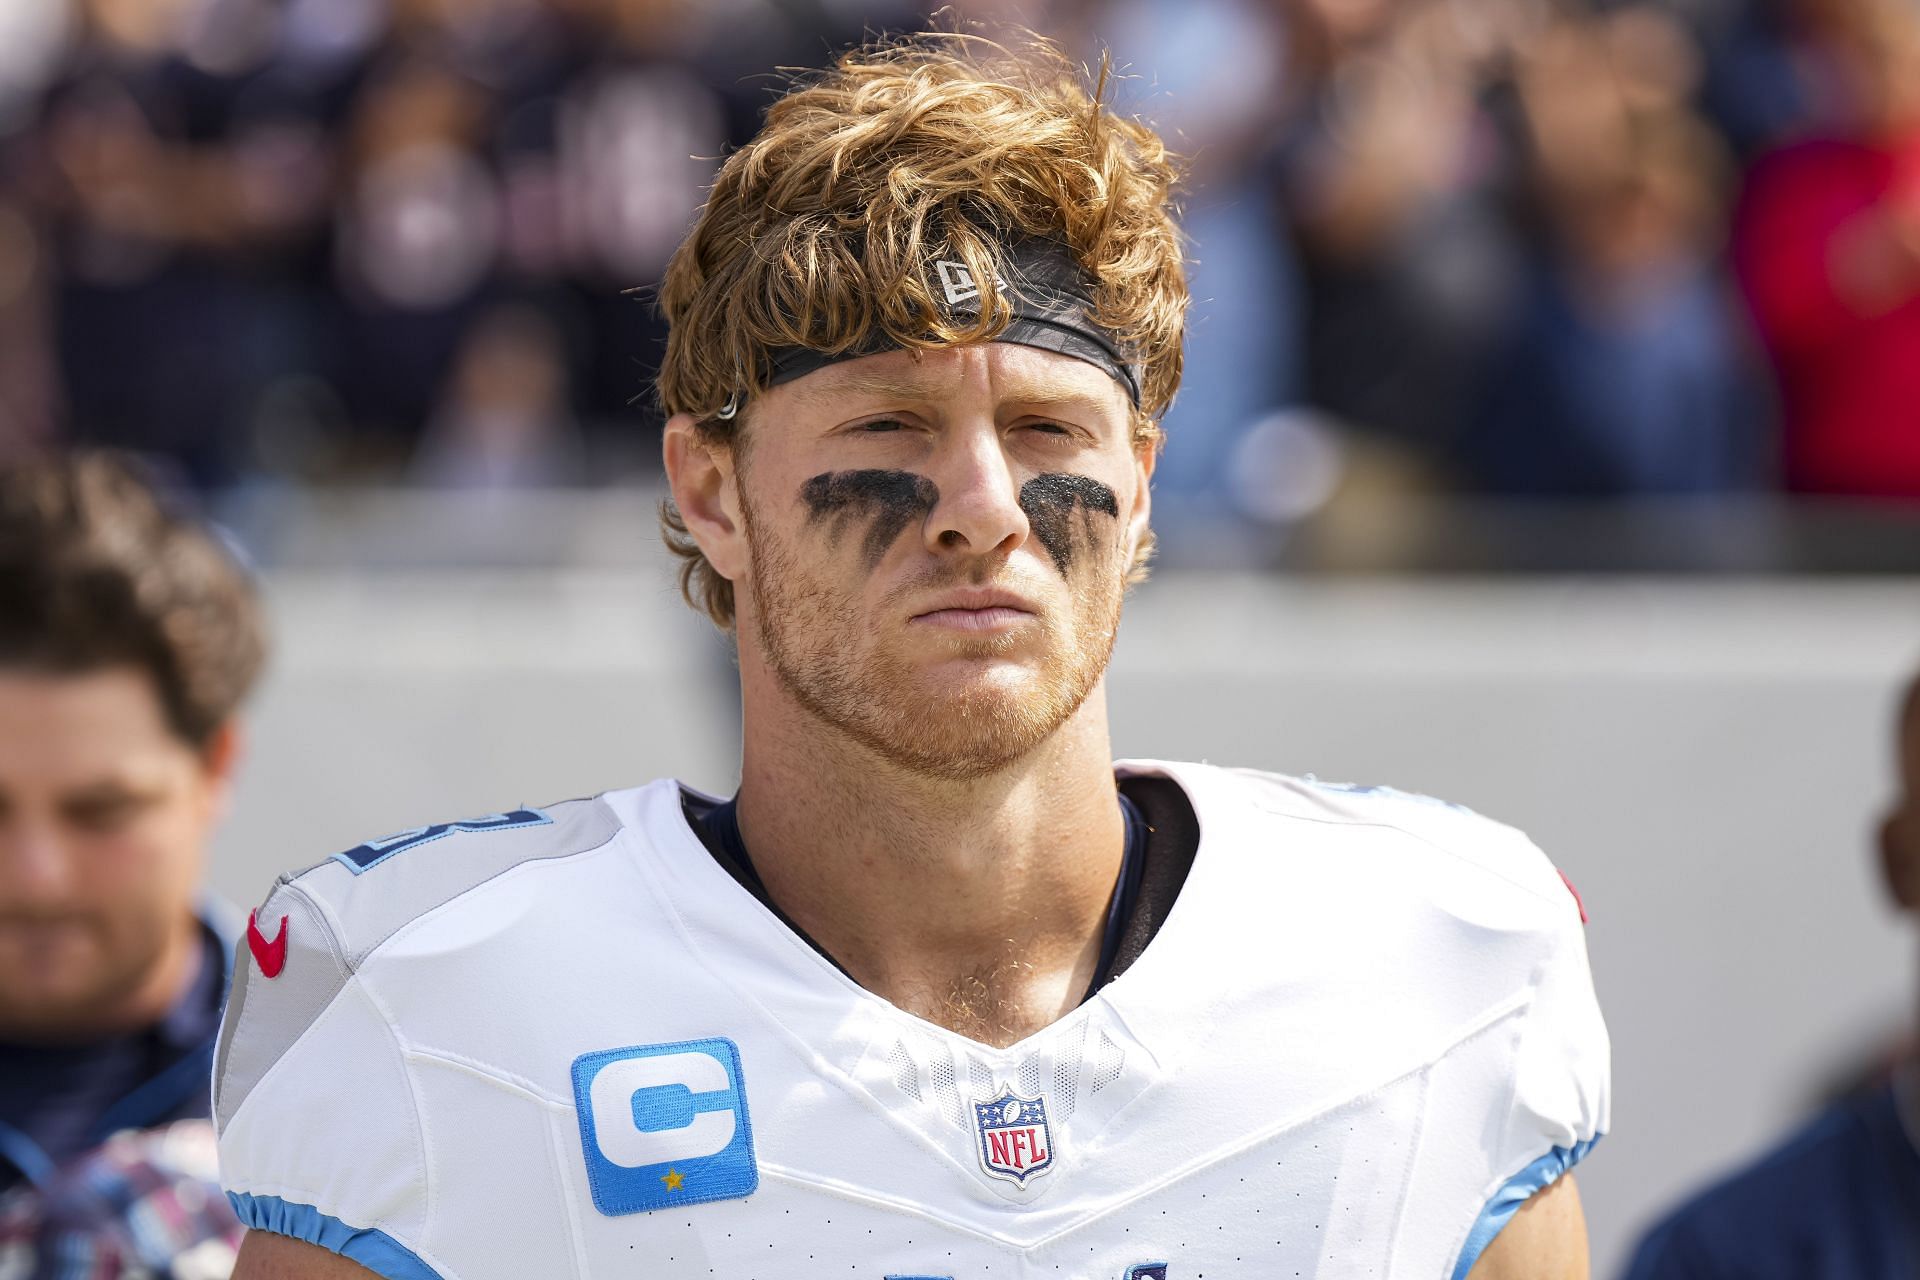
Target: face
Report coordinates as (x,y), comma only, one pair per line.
(1900,831)
(1350,21)
(933,551)
(104,817)
(1884,31)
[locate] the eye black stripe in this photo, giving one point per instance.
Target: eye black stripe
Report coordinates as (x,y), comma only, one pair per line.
(1050,502)
(891,500)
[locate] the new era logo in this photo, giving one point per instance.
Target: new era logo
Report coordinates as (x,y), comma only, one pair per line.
(957,282)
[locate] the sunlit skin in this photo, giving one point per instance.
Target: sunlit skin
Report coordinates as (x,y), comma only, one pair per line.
(927,781)
(927,787)
(104,819)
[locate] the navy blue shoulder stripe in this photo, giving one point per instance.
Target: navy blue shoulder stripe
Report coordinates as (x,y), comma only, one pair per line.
(363,857)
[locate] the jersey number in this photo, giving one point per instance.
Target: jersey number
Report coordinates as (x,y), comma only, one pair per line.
(373,852)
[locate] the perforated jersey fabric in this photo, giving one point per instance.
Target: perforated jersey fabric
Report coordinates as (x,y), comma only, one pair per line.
(571,1044)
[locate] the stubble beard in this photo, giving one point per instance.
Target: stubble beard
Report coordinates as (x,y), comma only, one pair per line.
(54,1006)
(818,649)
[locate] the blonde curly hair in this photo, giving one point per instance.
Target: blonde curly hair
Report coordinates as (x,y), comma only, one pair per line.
(819,232)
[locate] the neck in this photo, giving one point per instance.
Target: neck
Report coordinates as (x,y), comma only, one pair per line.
(168,981)
(978,905)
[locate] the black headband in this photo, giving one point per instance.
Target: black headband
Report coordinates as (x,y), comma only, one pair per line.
(1052,303)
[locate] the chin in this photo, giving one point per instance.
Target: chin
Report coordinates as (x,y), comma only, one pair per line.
(51,985)
(951,707)
(961,726)
(50,960)
(991,685)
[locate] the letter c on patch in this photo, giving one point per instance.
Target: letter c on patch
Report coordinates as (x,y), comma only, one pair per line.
(616,1126)
(663,1125)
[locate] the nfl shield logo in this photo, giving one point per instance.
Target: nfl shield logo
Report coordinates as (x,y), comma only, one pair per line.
(1015,1142)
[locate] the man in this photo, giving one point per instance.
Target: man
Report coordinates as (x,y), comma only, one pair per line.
(940,993)
(1840,1199)
(1826,247)
(128,638)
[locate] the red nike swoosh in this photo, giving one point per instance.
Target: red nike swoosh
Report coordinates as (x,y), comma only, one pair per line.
(271,956)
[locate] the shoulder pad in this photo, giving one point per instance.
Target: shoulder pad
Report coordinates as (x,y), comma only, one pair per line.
(1490,846)
(374,889)
(318,926)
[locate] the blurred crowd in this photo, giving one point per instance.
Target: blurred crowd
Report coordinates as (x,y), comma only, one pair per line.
(1521,247)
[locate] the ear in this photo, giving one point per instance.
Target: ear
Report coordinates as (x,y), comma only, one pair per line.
(1900,861)
(1145,456)
(705,487)
(220,762)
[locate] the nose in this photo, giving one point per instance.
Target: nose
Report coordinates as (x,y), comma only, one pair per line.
(979,509)
(34,869)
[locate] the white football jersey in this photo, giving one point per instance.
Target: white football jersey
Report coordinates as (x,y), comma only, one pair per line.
(566,1042)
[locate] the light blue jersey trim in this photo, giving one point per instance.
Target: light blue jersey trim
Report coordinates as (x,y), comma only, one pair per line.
(377,1251)
(1507,1200)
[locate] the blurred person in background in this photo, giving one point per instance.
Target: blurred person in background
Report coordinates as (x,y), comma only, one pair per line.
(1753,84)
(179,173)
(128,638)
(33,39)
(1840,1199)
(1512,218)
(1211,77)
(504,421)
(28,378)
(252,236)
(418,231)
(1827,249)
(1395,172)
(1622,370)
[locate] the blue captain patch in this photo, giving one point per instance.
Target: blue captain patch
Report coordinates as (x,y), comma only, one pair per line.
(664,1125)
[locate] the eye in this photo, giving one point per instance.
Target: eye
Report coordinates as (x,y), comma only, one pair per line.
(1049,429)
(103,814)
(881,425)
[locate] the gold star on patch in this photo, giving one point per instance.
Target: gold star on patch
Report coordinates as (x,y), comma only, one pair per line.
(673,1178)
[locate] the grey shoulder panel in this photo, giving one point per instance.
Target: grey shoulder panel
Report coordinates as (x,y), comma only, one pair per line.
(318,926)
(376,889)
(280,985)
